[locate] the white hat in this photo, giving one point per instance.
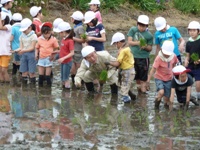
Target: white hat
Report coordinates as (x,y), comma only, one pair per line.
(34,10)
(5,1)
(25,24)
(177,70)
(117,37)
(87,50)
(17,17)
(144,19)
(3,15)
(77,15)
(168,47)
(63,26)
(56,23)
(89,15)
(97,2)
(194,25)
(160,23)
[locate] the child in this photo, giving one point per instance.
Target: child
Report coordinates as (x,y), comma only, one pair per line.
(56,23)
(166,32)
(5,55)
(96,34)
(192,48)
(15,43)
(44,47)
(7,5)
(77,18)
(95,6)
(36,13)
(182,85)
(125,62)
(28,41)
(162,67)
(141,52)
(66,51)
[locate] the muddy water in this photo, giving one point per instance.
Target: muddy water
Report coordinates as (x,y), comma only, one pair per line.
(52,118)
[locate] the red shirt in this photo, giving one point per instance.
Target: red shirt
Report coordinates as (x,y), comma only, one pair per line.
(38,25)
(66,46)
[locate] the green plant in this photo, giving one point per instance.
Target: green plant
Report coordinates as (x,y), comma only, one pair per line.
(194,56)
(191,6)
(84,36)
(142,42)
(103,75)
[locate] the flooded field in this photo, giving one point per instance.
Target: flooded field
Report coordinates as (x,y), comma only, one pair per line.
(52,118)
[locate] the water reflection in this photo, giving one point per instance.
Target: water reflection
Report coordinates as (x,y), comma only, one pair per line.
(62,119)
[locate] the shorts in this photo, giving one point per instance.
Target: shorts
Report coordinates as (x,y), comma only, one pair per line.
(77,58)
(195,73)
(28,63)
(45,62)
(166,85)
(141,68)
(65,71)
(17,57)
(4,61)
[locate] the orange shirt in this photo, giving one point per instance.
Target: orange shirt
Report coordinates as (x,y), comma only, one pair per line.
(46,47)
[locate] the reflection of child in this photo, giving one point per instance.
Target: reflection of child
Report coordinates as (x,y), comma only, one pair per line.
(66,51)
(192,47)
(182,85)
(162,67)
(125,62)
(45,46)
(95,6)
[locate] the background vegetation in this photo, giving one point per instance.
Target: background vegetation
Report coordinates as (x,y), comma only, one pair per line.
(186,6)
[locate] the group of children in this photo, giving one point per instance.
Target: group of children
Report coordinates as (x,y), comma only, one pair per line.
(33,44)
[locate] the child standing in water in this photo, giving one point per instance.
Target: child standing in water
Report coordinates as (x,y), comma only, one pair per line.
(28,41)
(192,49)
(44,47)
(66,51)
(16,19)
(5,33)
(77,18)
(182,86)
(162,67)
(95,6)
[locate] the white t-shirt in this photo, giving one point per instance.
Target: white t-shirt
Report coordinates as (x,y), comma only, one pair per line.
(5,46)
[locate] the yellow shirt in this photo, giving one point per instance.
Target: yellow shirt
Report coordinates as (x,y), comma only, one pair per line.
(125,58)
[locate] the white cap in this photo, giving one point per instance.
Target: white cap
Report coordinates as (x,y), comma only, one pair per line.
(63,26)
(3,15)
(89,15)
(168,47)
(194,25)
(77,15)
(144,19)
(117,37)
(5,1)
(34,10)
(160,23)
(96,2)
(56,23)
(17,17)
(177,70)
(87,50)
(25,24)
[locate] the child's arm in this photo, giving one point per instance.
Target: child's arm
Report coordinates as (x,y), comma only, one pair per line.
(188,95)
(133,43)
(153,70)
(113,63)
(79,40)
(181,45)
(187,58)
(99,39)
(171,99)
(147,48)
(158,48)
(36,54)
(60,60)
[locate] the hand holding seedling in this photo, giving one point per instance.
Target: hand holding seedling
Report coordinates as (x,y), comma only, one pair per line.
(143,43)
(195,58)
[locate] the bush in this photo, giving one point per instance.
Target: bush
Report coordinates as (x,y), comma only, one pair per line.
(187,6)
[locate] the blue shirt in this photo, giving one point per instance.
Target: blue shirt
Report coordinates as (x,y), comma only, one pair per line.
(16,34)
(96,32)
(172,34)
